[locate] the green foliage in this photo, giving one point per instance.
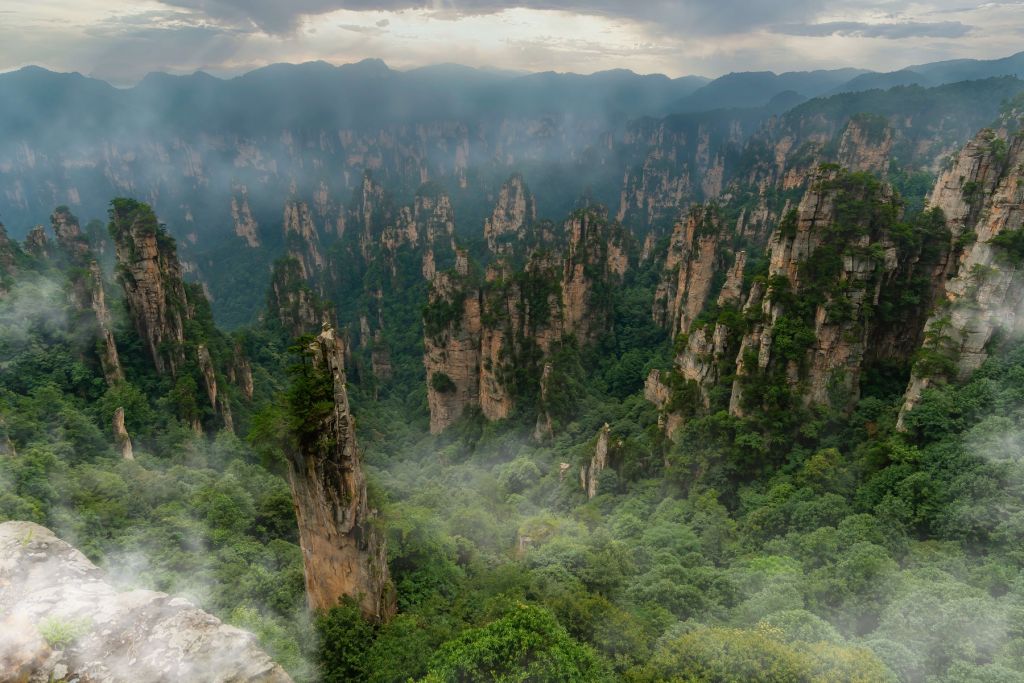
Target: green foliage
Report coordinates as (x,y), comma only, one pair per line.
(1011,243)
(525,645)
(442,383)
(345,639)
(60,633)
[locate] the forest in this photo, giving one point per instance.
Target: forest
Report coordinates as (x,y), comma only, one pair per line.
(794,544)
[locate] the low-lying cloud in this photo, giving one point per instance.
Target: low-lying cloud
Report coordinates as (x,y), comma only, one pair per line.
(893,31)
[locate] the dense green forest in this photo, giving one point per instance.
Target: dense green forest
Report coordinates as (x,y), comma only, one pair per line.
(818,545)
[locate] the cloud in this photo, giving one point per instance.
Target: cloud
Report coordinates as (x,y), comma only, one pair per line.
(894,30)
(699,16)
(366,30)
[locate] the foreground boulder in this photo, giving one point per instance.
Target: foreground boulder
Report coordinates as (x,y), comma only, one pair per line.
(61,620)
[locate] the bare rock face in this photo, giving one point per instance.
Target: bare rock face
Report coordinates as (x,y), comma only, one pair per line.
(151,276)
(246,226)
(479,333)
(344,553)
(37,244)
(595,256)
(513,213)
(590,474)
(121,437)
(985,298)
(544,429)
(240,372)
(138,635)
(862,253)
(690,267)
(110,361)
(302,237)
(865,145)
(452,348)
(292,303)
(87,290)
(68,234)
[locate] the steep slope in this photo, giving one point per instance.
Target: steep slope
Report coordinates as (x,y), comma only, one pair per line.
(982,302)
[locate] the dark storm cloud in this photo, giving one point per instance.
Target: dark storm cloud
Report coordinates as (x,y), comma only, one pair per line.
(857,29)
(703,16)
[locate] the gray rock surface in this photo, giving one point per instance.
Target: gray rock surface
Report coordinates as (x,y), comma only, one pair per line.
(61,620)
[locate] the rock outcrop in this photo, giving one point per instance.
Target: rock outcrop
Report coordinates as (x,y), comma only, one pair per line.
(292,303)
(88,295)
(486,339)
(302,238)
(847,286)
(982,197)
(138,635)
(513,214)
(452,351)
(691,264)
(590,473)
(344,553)
(151,275)
(246,226)
(122,439)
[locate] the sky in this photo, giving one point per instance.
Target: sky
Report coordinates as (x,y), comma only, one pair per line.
(122,41)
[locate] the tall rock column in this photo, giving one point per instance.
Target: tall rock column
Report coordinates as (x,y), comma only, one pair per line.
(452,327)
(151,275)
(983,194)
(343,553)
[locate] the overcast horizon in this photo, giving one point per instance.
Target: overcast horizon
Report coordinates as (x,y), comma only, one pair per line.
(120,43)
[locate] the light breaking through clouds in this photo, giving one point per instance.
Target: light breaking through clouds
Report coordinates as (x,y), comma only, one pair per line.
(123,41)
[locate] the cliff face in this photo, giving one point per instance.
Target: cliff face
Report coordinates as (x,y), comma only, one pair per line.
(678,162)
(88,297)
(246,226)
(344,553)
(827,264)
(513,213)
(487,340)
(690,266)
(160,304)
(302,238)
(139,635)
(452,346)
(847,284)
(291,303)
(151,276)
(590,473)
(982,196)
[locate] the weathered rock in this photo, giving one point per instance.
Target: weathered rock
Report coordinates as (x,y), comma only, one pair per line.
(590,473)
(513,213)
(985,299)
(121,436)
(151,276)
(110,360)
(344,553)
(37,244)
(452,349)
(544,429)
(138,635)
(246,226)
(865,145)
(690,267)
(302,238)
(292,303)
(830,368)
